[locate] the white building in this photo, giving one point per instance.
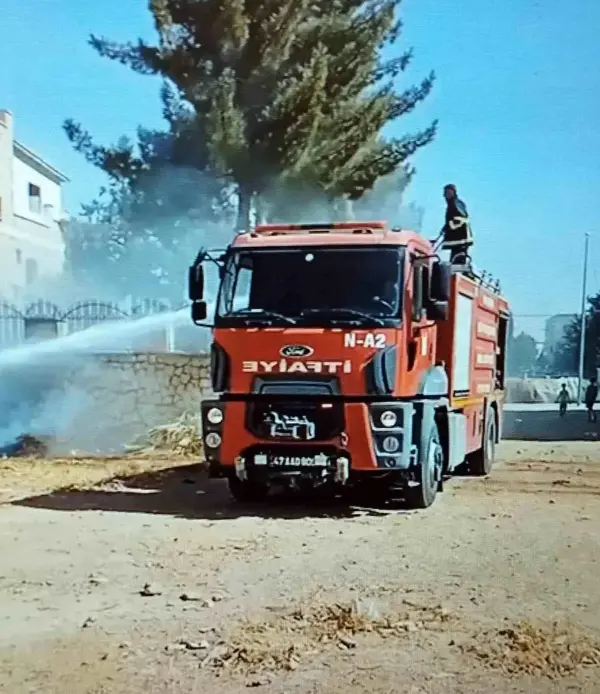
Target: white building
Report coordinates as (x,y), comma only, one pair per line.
(32,248)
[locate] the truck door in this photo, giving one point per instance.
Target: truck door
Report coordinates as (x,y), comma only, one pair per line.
(501,353)
(420,331)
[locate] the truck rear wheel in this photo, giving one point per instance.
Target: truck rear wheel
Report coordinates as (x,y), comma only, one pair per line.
(429,473)
(481,462)
(247,491)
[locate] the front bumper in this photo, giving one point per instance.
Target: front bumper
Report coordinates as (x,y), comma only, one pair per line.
(334,468)
(377,436)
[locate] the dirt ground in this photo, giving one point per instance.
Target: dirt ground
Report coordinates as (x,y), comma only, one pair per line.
(137,576)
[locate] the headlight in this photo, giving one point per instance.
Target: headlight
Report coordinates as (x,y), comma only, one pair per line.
(212,440)
(388,419)
(390,444)
(215,415)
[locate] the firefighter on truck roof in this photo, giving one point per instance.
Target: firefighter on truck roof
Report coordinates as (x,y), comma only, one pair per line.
(457,229)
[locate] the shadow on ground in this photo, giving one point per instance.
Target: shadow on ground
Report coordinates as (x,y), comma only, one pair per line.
(186,492)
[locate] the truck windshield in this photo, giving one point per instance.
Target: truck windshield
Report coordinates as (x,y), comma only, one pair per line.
(356,286)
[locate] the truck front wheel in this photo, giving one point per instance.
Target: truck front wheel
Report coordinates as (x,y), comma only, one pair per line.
(429,473)
(247,491)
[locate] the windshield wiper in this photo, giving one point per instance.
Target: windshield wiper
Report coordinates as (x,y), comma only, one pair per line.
(261,314)
(340,313)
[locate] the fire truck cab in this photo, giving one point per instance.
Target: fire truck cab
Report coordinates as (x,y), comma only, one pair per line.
(348,355)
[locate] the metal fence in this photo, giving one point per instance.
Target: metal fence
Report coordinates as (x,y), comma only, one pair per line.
(44,319)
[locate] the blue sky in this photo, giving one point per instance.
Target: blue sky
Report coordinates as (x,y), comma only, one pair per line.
(517,96)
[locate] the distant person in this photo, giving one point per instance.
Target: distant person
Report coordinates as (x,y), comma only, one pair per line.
(591,395)
(563,400)
(457,229)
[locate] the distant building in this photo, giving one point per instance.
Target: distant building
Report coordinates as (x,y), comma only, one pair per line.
(32,247)
(555,331)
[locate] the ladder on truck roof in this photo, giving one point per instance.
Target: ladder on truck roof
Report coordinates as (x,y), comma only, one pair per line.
(481,277)
(484,279)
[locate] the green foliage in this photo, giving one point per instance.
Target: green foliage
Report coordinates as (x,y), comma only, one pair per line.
(287,91)
(161,203)
(566,358)
(269,103)
(303,203)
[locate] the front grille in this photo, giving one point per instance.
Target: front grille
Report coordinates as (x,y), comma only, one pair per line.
(278,420)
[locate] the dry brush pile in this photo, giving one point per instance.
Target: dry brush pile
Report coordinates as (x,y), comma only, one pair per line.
(181,438)
(291,637)
(544,651)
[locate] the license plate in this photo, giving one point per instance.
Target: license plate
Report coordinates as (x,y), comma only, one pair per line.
(318,460)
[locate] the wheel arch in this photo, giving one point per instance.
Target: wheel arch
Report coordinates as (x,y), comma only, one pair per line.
(429,413)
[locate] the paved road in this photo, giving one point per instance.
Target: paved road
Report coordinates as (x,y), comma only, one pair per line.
(540,422)
(540,407)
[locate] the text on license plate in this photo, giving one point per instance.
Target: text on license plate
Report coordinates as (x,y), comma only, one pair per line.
(319,460)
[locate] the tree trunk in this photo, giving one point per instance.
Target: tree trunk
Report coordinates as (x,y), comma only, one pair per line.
(261,208)
(244,209)
(342,209)
(348,210)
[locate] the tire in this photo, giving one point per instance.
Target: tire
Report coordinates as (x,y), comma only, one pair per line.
(482,461)
(247,491)
(429,473)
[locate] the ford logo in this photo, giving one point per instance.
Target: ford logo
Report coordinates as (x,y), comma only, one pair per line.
(296,351)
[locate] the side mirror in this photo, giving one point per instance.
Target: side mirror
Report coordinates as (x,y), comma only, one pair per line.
(441,279)
(437,310)
(199,311)
(196,282)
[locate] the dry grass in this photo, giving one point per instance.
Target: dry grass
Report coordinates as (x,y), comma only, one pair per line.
(181,438)
(283,642)
(527,649)
(21,477)
(33,472)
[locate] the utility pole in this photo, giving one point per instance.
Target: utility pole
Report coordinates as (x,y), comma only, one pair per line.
(583,318)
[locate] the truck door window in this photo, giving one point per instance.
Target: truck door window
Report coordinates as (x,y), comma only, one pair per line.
(501,352)
(241,292)
(418,289)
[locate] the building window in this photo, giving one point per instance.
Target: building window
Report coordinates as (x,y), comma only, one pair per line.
(19,255)
(31,271)
(35,199)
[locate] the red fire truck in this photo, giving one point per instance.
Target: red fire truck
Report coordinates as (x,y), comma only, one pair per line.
(348,355)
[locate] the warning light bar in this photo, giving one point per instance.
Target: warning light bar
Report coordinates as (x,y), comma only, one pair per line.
(333,227)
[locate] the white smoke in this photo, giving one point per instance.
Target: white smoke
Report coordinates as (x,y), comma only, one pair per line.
(35,399)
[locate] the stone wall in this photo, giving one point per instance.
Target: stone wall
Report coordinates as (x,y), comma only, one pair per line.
(124,395)
(99,403)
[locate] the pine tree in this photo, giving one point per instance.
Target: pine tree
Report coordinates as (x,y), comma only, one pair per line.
(351,154)
(228,61)
(288,93)
(162,200)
